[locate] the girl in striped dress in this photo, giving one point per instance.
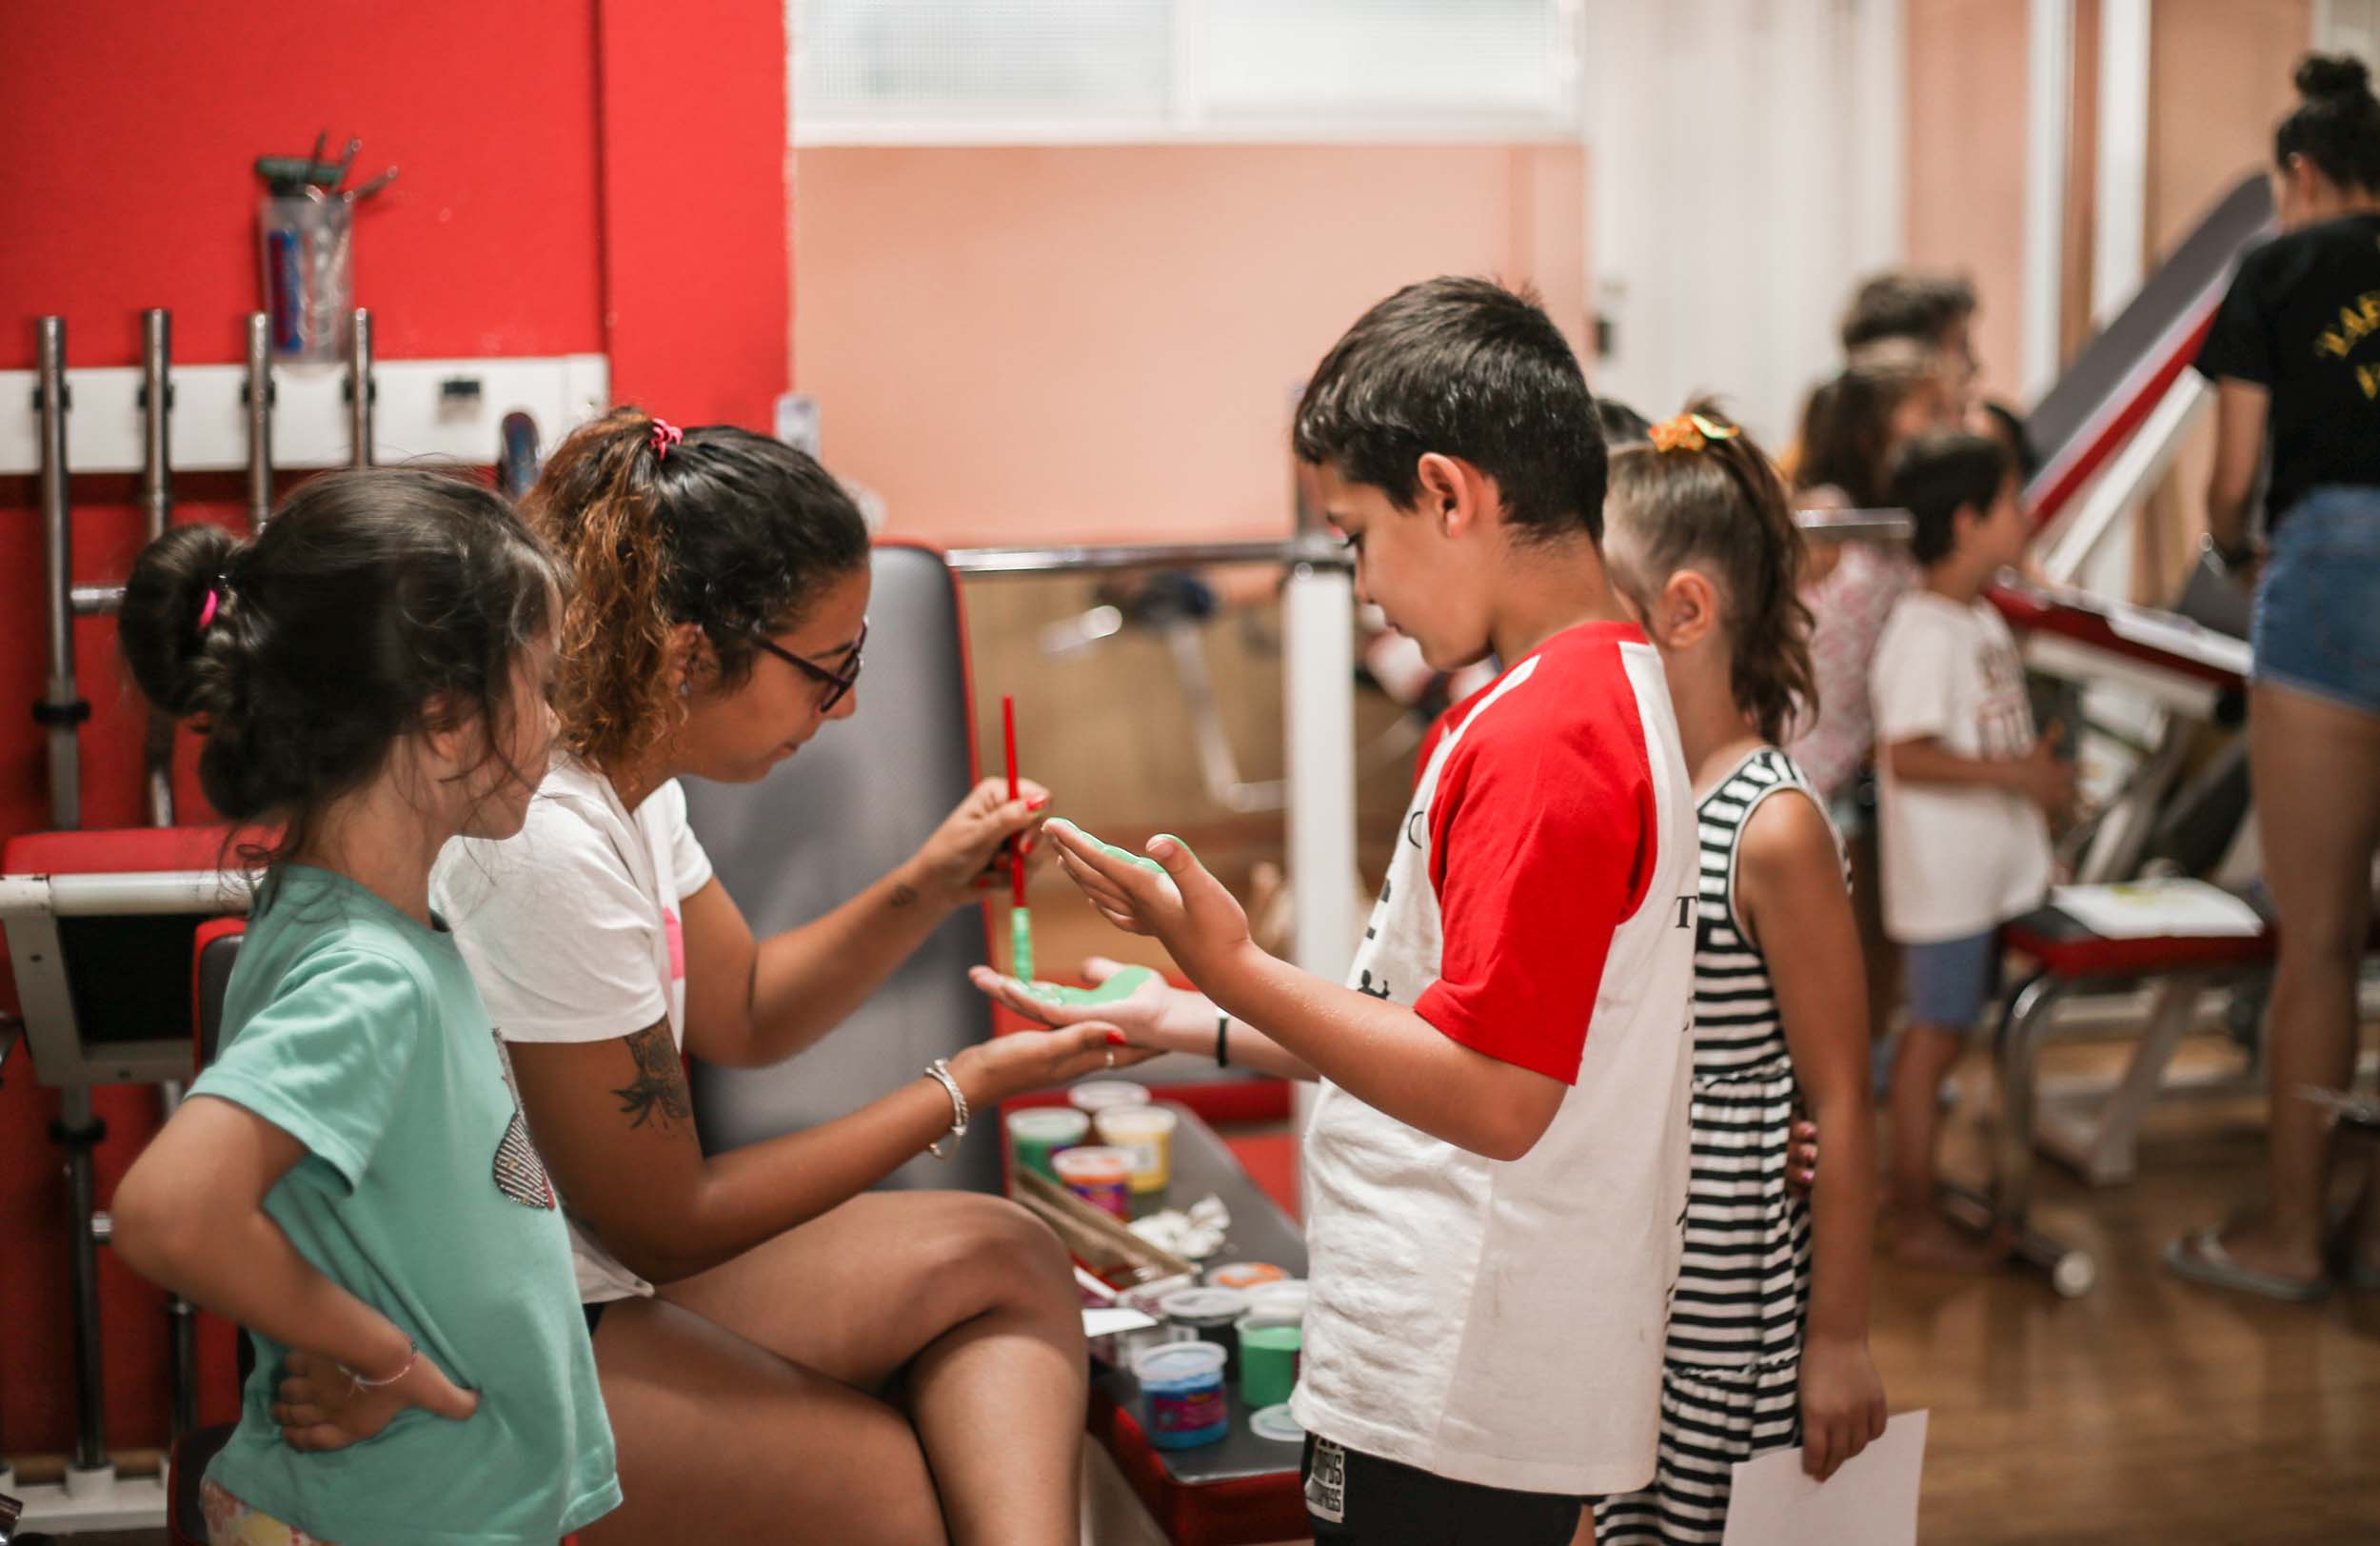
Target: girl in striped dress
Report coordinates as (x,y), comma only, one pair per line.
(1768,1330)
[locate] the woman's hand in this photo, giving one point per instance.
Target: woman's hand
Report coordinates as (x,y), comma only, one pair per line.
(968,853)
(1168,895)
(324,1407)
(1023,1061)
(1155,1017)
(1801,1155)
(1842,1404)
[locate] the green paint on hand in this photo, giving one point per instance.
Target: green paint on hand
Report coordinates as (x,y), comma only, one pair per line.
(1131,857)
(1020,943)
(1123,986)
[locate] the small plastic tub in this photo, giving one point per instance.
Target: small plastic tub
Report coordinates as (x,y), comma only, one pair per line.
(1246,1275)
(1037,1134)
(1209,1315)
(1182,1393)
(1272,1347)
(1145,1133)
(1096,1176)
(1287,1297)
(1275,1423)
(1097,1095)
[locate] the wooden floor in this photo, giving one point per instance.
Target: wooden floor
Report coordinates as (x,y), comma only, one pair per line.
(2152,1410)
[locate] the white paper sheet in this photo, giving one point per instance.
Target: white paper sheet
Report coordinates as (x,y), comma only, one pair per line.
(1870,1501)
(1108,1321)
(2147,909)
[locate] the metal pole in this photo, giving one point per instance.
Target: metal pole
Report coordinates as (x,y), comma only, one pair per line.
(156,408)
(259,420)
(360,386)
(2119,226)
(2049,101)
(181,1322)
(80,1133)
(61,709)
(157,509)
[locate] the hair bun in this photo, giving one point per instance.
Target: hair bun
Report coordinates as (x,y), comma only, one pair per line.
(164,598)
(2329,77)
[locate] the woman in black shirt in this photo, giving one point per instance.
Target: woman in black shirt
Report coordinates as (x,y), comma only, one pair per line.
(2295,355)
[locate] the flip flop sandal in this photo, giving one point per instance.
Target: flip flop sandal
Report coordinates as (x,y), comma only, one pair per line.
(2201,1258)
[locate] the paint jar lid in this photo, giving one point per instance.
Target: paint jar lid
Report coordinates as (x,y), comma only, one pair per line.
(1061,1124)
(1091,1166)
(1220,1306)
(1178,1363)
(1246,1275)
(1106,1094)
(1287,1297)
(1275,1422)
(1125,1123)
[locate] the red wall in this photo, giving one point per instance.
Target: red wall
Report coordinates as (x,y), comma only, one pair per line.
(578,176)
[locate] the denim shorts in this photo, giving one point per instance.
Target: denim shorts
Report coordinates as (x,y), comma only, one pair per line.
(1950,981)
(2317,623)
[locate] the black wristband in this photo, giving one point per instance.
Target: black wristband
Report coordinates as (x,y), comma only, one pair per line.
(1222,1041)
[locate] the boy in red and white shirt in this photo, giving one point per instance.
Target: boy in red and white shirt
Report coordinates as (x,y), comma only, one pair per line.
(1496,1167)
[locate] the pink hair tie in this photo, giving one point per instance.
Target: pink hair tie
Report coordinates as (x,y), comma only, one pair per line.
(214,604)
(665,435)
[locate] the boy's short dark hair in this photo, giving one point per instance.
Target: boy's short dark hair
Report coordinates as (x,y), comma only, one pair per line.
(1937,475)
(1906,305)
(1466,368)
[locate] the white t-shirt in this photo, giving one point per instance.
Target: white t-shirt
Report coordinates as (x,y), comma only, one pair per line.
(572,933)
(1957,860)
(1496,1322)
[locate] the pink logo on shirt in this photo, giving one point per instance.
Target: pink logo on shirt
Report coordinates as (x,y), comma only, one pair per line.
(676,931)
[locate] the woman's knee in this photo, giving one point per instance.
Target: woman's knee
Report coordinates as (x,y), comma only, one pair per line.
(1001,1231)
(998,1246)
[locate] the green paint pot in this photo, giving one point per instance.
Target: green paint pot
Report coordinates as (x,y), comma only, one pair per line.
(1037,1134)
(1271,1346)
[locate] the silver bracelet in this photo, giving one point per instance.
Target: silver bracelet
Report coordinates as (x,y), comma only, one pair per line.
(413,1356)
(939,1071)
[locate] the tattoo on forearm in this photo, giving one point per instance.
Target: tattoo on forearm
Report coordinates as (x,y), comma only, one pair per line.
(658,1090)
(903,894)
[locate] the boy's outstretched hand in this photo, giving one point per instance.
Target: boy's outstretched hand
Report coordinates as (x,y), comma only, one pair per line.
(1169,896)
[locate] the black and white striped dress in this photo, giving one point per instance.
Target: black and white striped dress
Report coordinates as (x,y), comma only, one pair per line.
(1730,1386)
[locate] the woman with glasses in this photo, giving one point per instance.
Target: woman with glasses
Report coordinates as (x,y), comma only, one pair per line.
(786,1356)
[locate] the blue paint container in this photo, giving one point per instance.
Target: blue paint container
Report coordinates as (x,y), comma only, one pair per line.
(1182,1393)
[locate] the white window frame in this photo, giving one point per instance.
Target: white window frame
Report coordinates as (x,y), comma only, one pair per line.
(1187,117)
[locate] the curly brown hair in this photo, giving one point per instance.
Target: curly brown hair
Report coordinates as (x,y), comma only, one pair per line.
(731,531)
(1722,503)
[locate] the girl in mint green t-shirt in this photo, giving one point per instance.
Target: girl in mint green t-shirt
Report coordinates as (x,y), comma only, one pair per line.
(351,1179)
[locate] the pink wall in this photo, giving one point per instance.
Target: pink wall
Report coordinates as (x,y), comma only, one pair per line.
(1966,158)
(1103,343)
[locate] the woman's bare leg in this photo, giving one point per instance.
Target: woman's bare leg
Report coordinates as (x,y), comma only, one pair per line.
(720,1440)
(2315,768)
(958,1308)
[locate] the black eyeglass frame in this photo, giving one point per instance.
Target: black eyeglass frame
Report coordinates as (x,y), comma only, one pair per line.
(837,684)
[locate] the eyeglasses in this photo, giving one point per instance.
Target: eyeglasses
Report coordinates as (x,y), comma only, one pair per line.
(837,684)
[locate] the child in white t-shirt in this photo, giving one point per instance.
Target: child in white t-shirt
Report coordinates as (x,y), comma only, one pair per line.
(1495,1163)
(1967,786)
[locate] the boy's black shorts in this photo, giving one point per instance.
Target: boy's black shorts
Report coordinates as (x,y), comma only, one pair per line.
(1353,1497)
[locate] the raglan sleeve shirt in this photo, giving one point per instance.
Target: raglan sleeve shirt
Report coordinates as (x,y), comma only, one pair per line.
(1539,854)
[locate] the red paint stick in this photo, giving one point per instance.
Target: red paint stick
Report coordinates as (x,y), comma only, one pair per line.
(1008,743)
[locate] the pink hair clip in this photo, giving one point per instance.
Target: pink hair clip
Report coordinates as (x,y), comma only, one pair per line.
(665,435)
(214,604)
